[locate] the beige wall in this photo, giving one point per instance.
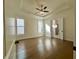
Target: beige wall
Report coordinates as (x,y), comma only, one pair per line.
(9,38)
(30,21)
(68,15)
(12,10)
(30,27)
(69,22)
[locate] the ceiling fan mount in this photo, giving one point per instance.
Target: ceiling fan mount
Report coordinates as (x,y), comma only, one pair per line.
(42,8)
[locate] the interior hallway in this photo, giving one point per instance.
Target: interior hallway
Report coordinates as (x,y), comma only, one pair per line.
(44,48)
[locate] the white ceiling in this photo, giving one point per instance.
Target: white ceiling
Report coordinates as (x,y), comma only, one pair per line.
(29,6)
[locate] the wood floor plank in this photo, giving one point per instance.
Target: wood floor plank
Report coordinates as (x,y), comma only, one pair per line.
(44,48)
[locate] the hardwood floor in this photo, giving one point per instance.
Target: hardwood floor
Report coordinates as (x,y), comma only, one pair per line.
(44,48)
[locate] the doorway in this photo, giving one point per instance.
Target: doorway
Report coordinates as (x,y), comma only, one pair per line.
(51,28)
(57,28)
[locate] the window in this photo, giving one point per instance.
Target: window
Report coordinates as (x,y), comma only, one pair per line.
(40,26)
(11,25)
(20,26)
(47,27)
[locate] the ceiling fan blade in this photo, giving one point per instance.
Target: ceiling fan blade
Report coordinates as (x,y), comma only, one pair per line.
(45,7)
(38,9)
(41,6)
(46,11)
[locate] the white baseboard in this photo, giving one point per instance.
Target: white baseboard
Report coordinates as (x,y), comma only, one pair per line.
(10,50)
(29,37)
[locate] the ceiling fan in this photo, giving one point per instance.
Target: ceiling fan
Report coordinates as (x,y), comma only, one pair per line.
(42,9)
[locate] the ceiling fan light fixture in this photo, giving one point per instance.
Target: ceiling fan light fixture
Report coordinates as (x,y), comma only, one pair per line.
(41,13)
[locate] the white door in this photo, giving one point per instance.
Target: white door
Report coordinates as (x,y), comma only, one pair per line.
(60,23)
(54,29)
(57,28)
